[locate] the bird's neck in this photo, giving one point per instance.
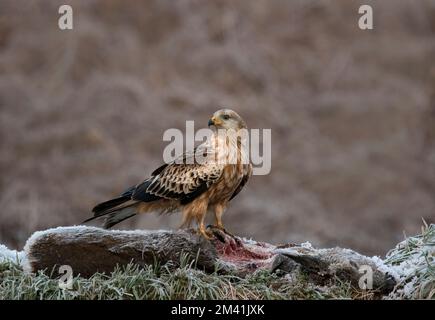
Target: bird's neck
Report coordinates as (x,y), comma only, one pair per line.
(229,147)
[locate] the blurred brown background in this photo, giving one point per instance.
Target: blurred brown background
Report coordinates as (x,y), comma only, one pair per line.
(352,112)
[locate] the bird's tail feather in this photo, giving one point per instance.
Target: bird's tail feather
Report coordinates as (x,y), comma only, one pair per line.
(115,211)
(119,215)
(103,207)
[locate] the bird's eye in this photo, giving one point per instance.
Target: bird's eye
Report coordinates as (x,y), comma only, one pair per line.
(225,117)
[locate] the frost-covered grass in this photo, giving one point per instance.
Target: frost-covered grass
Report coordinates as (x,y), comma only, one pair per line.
(164,282)
(412,263)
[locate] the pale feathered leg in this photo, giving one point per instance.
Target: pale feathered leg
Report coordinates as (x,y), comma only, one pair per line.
(197,210)
(218,212)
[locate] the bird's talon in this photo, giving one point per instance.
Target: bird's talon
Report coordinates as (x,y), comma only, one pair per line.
(220,233)
(205,234)
(228,233)
(216,232)
(219,236)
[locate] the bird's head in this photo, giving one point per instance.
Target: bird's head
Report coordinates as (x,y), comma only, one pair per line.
(226,119)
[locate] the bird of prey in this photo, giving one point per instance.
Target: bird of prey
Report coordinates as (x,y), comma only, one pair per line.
(187,185)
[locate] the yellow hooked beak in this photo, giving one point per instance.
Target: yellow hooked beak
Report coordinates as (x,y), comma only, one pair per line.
(214,122)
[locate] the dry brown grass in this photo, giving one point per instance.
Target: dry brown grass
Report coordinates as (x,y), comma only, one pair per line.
(83,112)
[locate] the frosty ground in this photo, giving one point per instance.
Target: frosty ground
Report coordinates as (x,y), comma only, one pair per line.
(411,263)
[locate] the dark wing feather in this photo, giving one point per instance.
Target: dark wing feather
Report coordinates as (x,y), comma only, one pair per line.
(175,181)
(129,192)
(183,182)
(140,192)
(194,194)
(183,179)
(158,170)
(246,176)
